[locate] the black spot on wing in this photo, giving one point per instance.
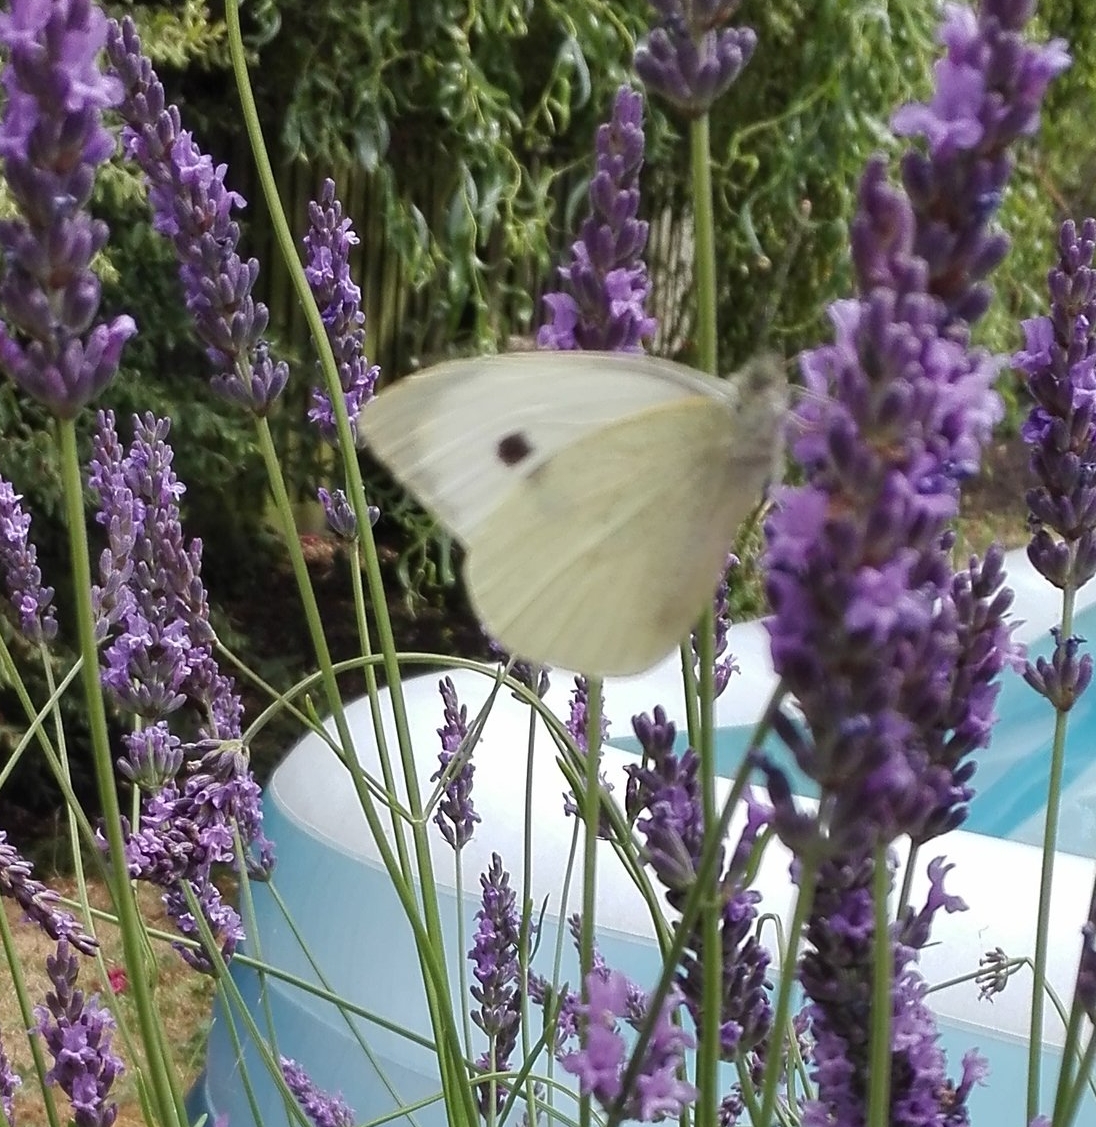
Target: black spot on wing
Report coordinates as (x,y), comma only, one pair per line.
(514,448)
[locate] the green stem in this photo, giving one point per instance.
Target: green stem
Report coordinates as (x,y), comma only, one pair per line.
(1084,1072)
(454,1077)
(13,956)
(706,870)
(435,979)
(1046,880)
(1069,1055)
(591,816)
(458,880)
(129,918)
(808,877)
(882,970)
(692,693)
(526,929)
(711,953)
(375,711)
(709,1049)
(704,245)
(907,879)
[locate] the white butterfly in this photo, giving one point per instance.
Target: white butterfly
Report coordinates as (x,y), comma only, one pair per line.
(596,494)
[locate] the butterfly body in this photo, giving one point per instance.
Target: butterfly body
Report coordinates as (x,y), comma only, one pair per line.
(596,494)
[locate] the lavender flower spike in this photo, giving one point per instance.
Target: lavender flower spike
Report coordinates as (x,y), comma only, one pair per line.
(9,1082)
(192,207)
(152,605)
(1059,361)
(328,242)
(1086,970)
(322,1109)
(604,289)
(340,516)
(494,957)
(599,1064)
(456,816)
(77,1032)
(892,656)
(51,141)
(690,58)
(37,901)
(663,799)
(19,571)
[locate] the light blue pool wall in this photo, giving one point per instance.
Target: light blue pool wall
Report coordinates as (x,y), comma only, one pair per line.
(372,966)
(338,900)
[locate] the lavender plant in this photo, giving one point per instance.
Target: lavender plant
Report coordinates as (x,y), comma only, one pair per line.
(892,656)
(328,243)
(52,141)
(892,652)
(9,1082)
(323,1110)
(192,207)
(1057,360)
(78,1032)
(602,302)
(31,603)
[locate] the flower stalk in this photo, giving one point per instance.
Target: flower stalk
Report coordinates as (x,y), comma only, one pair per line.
(167,1101)
(1060,431)
(430,942)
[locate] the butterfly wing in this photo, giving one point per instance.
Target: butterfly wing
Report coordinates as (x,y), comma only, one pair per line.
(465,435)
(601,559)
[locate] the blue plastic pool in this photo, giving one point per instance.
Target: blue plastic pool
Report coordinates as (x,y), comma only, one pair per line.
(1011,780)
(343,903)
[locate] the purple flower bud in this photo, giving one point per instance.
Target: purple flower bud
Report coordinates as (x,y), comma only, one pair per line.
(576,724)
(725,666)
(665,788)
(891,655)
(1058,360)
(264,382)
(692,62)
(153,756)
(1065,677)
(151,602)
(916,929)
(223,920)
(323,1110)
(602,302)
(189,827)
(1086,971)
(841,934)
(340,516)
(77,1033)
(534,677)
(52,140)
(37,901)
(989,87)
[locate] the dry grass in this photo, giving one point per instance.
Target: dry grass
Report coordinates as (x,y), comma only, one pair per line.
(183,999)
